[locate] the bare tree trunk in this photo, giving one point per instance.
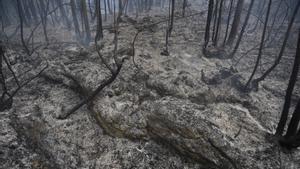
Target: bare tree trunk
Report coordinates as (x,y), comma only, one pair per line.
(274,19)
(99,33)
(21,27)
(172,18)
(293,126)
(208,22)
(22,13)
(261,44)
(288,96)
(260,13)
(105,9)
(109,6)
(215,20)
(236,22)
(43,15)
(75,20)
(63,13)
(26,11)
(228,21)
(243,29)
(287,34)
(218,23)
(183,7)
(85,21)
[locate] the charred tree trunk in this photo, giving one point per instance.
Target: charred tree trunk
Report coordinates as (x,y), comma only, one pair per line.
(75,20)
(85,21)
(109,7)
(43,14)
(259,16)
(243,29)
(22,13)
(218,23)
(27,12)
(22,28)
(282,47)
(261,44)
(105,10)
(236,22)
(172,18)
(208,22)
(183,7)
(215,20)
(228,21)
(63,13)
(288,96)
(99,33)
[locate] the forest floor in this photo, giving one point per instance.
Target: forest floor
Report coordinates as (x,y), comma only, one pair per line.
(178,111)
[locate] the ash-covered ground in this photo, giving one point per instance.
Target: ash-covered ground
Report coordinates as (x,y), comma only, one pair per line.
(178,111)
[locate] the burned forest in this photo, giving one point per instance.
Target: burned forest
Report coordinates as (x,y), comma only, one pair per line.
(149,84)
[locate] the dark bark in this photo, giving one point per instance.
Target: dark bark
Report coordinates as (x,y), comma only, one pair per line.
(183,7)
(261,44)
(22,27)
(215,20)
(243,29)
(105,9)
(85,21)
(228,21)
(277,61)
(259,15)
(218,23)
(236,22)
(208,22)
(94,93)
(293,126)
(288,96)
(99,33)
(63,13)
(172,18)
(75,20)
(43,14)
(26,11)
(22,13)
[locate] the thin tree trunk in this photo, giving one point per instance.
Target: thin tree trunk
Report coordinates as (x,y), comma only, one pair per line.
(218,23)
(21,27)
(22,13)
(208,22)
(293,126)
(236,22)
(288,96)
(43,15)
(172,18)
(228,21)
(183,7)
(63,13)
(85,21)
(243,29)
(75,20)
(215,20)
(260,14)
(105,9)
(261,44)
(282,47)
(99,33)
(26,11)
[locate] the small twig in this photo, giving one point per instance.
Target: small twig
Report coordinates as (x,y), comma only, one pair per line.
(133,48)
(28,81)
(93,94)
(223,153)
(11,70)
(238,133)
